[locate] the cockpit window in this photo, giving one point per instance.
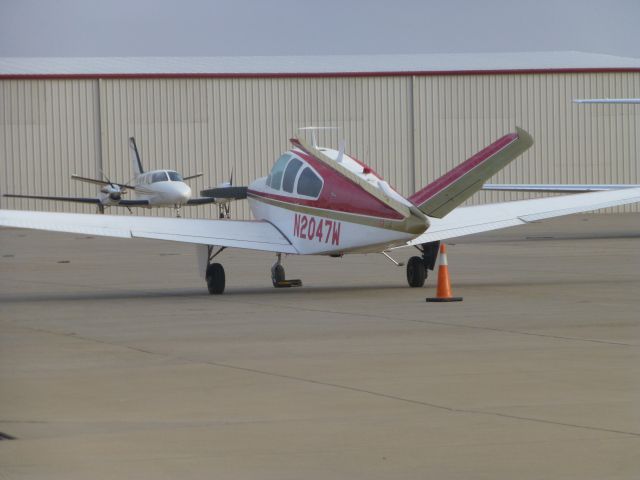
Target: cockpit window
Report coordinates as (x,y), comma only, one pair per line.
(174,176)
(159,177)
(309,184)
(274,180)
(290,173)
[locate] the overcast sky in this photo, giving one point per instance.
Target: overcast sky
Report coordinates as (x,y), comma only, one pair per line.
(301,27)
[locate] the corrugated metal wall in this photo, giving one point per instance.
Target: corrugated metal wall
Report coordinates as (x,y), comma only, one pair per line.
(48,131)
(457,116)
(409,129)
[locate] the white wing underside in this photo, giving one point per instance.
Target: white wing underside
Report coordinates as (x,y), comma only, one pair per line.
(253,235)
(483,218)
(261,235)
(556,187)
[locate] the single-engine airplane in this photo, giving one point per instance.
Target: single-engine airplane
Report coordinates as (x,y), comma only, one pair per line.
(156,188)
(320,201)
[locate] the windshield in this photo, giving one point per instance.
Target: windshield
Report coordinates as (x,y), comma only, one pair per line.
(159,177)
(274,180)
(174,176)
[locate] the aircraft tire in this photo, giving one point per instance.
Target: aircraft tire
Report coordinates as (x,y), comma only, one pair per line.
(416,272)
(215,279)
(277,274)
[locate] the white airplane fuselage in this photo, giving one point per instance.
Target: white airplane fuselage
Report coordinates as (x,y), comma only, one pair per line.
(321,212)
(162,188)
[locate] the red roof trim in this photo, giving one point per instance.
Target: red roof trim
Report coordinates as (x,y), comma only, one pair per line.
(418,73)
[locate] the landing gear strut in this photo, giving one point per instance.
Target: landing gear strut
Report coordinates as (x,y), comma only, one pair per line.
(215,273)
(417,266)
(278,276)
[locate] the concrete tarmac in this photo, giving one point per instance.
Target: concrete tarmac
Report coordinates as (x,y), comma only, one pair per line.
(116,363)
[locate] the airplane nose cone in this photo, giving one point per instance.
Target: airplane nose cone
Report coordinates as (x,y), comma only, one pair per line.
(185,193)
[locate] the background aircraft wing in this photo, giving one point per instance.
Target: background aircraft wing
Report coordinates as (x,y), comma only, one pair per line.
(212,195)
(132,203)
(200,201)
(254,235)
(230,192)
(93,200)
(607,100)
(556,187)
(494,216)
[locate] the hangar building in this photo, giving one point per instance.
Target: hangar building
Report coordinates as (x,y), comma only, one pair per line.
(410,117)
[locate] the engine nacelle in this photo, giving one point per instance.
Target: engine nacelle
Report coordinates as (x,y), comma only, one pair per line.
(110,195)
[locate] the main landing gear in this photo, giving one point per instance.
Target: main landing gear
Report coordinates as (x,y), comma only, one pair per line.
(215,273)
(215,276)
(417,266)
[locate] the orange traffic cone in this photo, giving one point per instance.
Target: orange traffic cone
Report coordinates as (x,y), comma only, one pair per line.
(443,292)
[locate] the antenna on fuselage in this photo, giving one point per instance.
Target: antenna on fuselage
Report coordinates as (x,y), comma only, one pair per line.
(314,133)
(341,147)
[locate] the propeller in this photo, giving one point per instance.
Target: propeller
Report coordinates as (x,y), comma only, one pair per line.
(117,192)
(224,208)
(113,192)
(227,184)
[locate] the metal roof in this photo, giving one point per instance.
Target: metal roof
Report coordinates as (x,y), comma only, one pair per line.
(313,65)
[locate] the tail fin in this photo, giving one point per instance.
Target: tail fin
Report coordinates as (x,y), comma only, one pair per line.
(450,190)
(135,157)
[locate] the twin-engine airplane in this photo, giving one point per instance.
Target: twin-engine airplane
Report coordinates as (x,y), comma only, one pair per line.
(156,188)
(320,201)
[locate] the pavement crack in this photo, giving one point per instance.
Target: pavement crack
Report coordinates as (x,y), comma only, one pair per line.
(415,401)
(448,324)
(338,386)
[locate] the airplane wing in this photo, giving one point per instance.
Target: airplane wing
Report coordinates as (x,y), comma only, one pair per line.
(607,100)
(131,203)
(230,193)
(555,187)
(253,234)
(483,218)
(200,201)
(212,195)
(92,200)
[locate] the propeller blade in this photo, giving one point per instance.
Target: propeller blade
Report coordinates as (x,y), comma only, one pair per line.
(191,177)
(104,175)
